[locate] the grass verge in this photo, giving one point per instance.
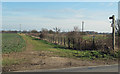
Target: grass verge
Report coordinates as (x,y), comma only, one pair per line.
(42,45)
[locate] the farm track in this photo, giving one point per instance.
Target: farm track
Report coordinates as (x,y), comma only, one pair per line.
(31,59)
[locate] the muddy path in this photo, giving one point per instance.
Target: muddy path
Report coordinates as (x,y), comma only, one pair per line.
(30,59)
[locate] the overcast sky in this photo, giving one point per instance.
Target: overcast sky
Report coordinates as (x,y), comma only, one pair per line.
(65,15)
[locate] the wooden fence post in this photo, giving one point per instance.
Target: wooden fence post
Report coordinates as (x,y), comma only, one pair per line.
(68,42)
(79,44)
(64,41)
(51,39)
(73,44)
(85,44)
(58,40)
(93,43)
(55,40)
(46,38)
(61,40)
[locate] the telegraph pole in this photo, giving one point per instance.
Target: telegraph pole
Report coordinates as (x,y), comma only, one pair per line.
(113,31)
(20,28)
(82,26)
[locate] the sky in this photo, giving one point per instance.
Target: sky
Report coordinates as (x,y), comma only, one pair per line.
(119,10)
(65,15)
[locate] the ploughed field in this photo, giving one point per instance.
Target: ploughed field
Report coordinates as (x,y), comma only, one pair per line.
(12,42)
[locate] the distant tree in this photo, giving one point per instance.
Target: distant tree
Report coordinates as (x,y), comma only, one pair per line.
(44,30)
(75,33)
(51,31)
(3,31)
(24,31)
(34,31)
(9,31)
(71,34)
(43,33)
(40,31)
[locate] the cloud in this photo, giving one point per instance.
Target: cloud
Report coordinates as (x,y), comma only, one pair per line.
(64,10)
(46,22)
(111,4)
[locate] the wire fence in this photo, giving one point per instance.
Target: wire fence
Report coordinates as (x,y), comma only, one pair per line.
(81,44)
(78,43)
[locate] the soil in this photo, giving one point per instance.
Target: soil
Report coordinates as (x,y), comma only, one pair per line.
(31,60)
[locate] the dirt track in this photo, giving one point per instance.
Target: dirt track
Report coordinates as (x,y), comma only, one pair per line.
(31,60)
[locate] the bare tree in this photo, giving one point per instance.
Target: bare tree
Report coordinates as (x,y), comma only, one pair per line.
(44,30)
(57,30)
(76,29)
(44,33)
(75,33)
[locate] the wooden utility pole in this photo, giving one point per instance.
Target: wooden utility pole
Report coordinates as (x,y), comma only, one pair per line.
(113,31)
(20,28)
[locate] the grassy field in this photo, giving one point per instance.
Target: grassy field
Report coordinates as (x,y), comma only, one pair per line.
(90,37)
(12,42)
